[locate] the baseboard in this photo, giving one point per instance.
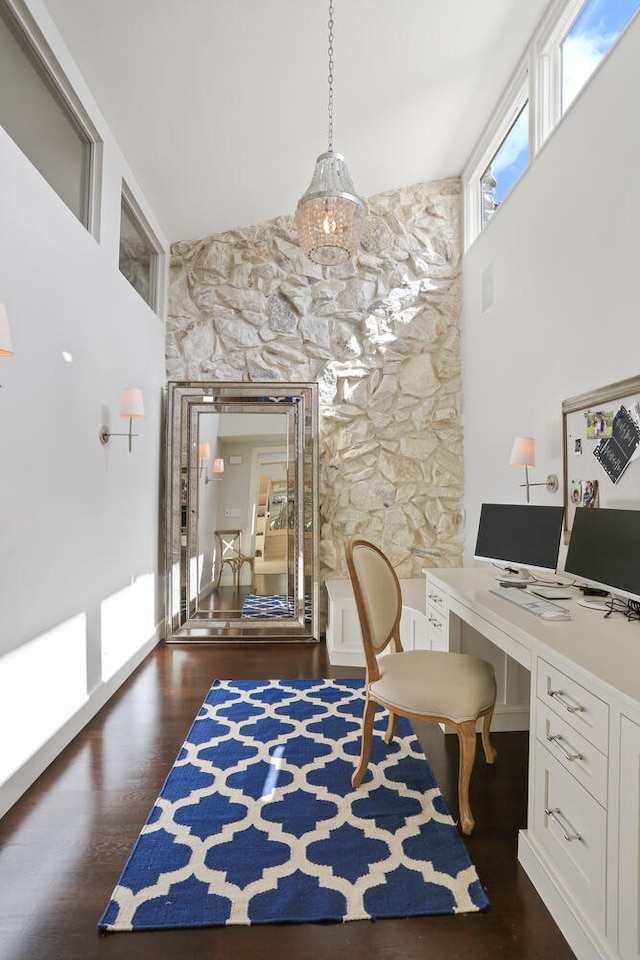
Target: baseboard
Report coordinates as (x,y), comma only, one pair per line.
(583,940)
(20,781)
(510,718)
(344,658)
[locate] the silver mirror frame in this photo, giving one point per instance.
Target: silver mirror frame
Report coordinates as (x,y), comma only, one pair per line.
(184,401)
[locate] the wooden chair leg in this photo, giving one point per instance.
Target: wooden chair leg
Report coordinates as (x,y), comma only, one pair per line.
(490,751)
(367,736)
(391,727)
(467,740)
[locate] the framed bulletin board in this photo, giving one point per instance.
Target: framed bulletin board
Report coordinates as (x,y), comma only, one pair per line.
(601,446)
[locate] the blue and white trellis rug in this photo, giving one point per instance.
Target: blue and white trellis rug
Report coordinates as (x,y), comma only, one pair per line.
(257,821)
(272,606)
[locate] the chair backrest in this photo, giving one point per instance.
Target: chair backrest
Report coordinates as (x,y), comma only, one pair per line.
(229,543)
(378,597)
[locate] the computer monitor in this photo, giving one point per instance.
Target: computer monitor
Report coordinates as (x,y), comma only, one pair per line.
(604,550)
(521,536)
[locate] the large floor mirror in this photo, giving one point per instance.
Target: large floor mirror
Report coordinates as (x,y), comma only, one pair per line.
(241,511)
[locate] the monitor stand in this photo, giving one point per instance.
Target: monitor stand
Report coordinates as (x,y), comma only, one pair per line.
(515,578)
(595,605)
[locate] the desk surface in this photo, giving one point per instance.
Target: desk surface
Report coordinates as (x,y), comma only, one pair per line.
(607,649)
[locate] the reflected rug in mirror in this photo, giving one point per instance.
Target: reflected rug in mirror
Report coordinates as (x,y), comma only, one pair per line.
(272,606)
(257,821)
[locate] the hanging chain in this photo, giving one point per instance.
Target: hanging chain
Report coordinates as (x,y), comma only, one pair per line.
(330,74)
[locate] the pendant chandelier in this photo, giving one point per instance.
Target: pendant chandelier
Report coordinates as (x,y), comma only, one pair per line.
(330,216)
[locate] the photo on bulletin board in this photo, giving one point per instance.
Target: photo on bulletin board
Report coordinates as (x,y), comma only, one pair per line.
(599,424)
(601,449)
(575,492)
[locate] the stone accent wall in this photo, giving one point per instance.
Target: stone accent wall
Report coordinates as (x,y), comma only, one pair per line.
(379,334)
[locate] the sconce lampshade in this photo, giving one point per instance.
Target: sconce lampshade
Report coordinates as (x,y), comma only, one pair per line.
(218,465)
(204,451)
(131,404)
(6,350)
(523,453)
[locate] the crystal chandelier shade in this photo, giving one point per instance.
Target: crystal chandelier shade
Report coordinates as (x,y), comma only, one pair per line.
(330,216)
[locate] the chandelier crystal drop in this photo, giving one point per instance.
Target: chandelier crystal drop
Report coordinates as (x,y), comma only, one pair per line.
(330,216)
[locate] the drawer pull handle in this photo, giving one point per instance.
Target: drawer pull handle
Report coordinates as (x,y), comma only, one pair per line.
(435,621)
(556,738)
(435,597)
(570,707)
(554,814)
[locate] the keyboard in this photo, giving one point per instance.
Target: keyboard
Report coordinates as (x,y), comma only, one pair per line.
(538,606)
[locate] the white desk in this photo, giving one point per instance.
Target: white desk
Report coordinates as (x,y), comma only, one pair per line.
(581,847)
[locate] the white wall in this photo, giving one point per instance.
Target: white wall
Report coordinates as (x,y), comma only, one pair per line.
(79,562)
(564,253)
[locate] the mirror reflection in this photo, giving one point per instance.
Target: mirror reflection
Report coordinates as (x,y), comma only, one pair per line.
(245,565)
(243,513)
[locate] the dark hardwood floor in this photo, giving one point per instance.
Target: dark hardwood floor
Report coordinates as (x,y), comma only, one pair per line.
(63,845)
(225,601)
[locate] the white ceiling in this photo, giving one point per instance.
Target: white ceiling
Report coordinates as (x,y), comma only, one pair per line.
(220,106)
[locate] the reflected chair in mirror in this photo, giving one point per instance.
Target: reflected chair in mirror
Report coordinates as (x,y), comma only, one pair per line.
(448,688)
(229,550)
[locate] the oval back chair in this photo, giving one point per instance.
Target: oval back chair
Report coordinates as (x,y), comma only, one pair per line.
(445,687)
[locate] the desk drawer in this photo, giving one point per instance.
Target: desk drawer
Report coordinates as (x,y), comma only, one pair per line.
(572,828)
(437,617)
(437,629)
(577,706)
(437,598)
(573,751)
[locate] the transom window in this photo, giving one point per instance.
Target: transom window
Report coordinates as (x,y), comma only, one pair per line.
(566,49)
(37,115)
(506,165)
(139,251)
(591,36)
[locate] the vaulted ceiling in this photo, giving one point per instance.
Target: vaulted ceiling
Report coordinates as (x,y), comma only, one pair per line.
(220,106)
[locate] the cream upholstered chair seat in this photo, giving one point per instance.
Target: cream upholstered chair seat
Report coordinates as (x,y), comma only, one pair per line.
(452,688)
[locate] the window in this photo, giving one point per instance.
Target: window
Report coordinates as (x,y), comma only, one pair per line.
(36,112)
(139,252)
(500,157)
(506,165)
(591,36)
(565,50)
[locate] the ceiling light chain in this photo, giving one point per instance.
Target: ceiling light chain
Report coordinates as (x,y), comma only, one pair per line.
(330,216)
(330,75)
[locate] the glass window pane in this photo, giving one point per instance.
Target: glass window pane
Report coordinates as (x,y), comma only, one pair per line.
(138,256)
(39,121)
(591,36)
(507,164)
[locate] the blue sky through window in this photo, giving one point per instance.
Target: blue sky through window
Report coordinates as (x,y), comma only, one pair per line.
(513,155)
(591,36)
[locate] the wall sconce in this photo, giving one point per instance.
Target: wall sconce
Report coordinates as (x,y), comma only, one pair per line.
(6,350)
(523,454)
(204,454)
(218,470)
(131,406)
